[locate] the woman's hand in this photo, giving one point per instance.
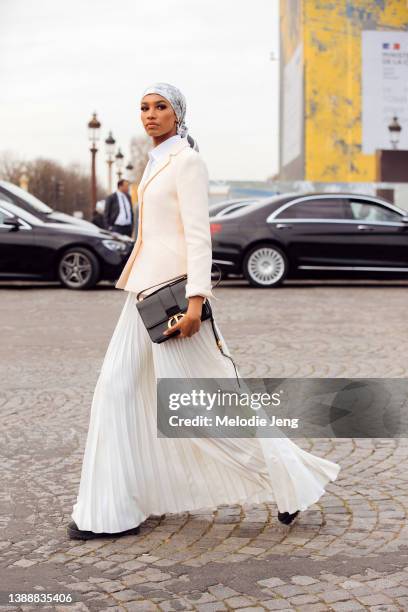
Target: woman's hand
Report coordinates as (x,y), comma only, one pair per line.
(191,322)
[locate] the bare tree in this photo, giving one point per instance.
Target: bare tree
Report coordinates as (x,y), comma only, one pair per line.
(11,167)
(139,149)
(65,188)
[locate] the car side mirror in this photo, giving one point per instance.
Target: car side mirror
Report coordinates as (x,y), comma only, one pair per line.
(13,221)
(405,219)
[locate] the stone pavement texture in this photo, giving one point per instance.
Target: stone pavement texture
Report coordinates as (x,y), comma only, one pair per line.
(347,552)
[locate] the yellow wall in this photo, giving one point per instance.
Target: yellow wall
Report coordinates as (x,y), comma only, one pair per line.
(332,56)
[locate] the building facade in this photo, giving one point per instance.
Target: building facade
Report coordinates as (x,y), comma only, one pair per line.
(344,77)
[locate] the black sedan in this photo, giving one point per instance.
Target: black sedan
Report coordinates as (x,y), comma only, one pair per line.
(314,235)
(78,257)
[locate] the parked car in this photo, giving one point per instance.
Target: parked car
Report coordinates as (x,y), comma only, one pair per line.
(313,235)
(25,200)
(77,256)
(220,209)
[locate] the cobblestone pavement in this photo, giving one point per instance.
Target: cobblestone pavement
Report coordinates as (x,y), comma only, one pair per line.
(347,552)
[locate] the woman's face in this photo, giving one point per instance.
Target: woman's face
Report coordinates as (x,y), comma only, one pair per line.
(158,116)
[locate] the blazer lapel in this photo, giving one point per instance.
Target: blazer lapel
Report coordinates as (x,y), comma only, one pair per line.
(161,164)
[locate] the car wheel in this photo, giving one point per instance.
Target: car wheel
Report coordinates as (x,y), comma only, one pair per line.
(78,269)
(265,266)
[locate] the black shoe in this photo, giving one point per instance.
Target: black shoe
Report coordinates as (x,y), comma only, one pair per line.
(286,518)
(80,534)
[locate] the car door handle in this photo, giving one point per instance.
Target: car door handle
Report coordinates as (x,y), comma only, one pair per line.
(365,228)
(283,226)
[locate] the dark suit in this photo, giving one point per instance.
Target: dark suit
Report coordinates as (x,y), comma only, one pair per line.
(112,209)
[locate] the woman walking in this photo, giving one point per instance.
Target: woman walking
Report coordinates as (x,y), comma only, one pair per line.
(128,473)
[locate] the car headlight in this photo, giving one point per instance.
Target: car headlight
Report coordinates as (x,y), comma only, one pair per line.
(114,245)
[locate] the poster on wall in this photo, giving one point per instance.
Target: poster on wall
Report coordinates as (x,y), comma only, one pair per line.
(384,88)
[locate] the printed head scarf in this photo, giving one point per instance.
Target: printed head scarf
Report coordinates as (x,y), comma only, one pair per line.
(178,103)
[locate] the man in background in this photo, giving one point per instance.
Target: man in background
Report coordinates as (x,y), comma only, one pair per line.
(118,214)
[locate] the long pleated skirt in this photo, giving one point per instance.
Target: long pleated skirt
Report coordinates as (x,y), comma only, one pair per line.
(129,473)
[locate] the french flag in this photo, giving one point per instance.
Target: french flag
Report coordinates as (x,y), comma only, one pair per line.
(395,46)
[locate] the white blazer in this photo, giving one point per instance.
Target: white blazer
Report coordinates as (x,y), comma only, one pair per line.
(174,229)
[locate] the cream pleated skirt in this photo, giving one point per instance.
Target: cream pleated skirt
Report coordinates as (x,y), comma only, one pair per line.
(128,473)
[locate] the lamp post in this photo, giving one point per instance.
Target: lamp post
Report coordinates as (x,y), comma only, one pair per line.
(395,130)
(24,178)
(129,167)
(110,147)
(119,163)
(93,130)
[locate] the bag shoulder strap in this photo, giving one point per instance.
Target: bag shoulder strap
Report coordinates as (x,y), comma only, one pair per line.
(180,277)
(219,344)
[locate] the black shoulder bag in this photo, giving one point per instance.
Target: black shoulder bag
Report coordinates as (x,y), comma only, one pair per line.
(166,306)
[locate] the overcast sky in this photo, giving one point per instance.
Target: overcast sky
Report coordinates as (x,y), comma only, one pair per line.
(60,61)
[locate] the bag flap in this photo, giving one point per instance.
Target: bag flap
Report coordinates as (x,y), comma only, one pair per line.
(157,308)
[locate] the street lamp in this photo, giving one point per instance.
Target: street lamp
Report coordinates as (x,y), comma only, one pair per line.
(110,148)
(129,167)
(395,130)
(119,163)
(24,178)
(93,130)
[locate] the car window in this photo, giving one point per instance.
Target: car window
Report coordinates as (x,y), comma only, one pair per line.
(320,208)
(4,196)
(3,216)
(368,211)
